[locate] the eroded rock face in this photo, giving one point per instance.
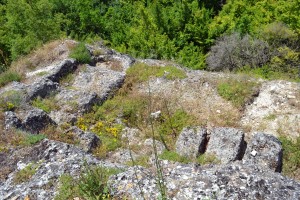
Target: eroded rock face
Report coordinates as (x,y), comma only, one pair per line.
(11,120)
(265,150)
(41,88)
(53,159)
(191,142)
(185,182)
(87,140)
(36,120)
(226,144)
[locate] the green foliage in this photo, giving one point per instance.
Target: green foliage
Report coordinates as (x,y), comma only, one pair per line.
(141,72)
(9,76)
(237,92)
(291,157)
(173,156)
(32,139)
(207,159)
(92,184)
(10,100)
(46,104)
(25,174)
(81,53)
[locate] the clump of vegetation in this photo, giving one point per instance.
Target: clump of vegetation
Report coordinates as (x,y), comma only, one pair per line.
(54,133)
(46,104)
(9,76)
(81,53)
(207,159)
(291,157)
(25,174)
(92,184)
(141,72)
(173,156)
(10,100)
(237,92)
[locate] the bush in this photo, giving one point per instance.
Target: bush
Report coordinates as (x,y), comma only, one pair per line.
(291,157)
(92,184)
(10,100)
(46,105)
(81,53)
(233,52)
(9,76)
(239,93)
(207,159)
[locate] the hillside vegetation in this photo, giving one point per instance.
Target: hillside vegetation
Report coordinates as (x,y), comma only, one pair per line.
(258,37)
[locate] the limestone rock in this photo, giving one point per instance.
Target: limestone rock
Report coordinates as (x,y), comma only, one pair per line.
(12,121)
(265,150)
(227,144)
(87,140)
(36,120)
(53,159)
(63,68)
(41,88)
(158,145)
(185,182)
(191,142)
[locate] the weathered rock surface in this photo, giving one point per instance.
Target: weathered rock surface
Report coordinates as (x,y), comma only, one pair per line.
(227,144)
(41,88)
(265,150)
(277,107)
(185,182)
(11,120)
(87,140)
(36,120)
(53,159)
(191,142)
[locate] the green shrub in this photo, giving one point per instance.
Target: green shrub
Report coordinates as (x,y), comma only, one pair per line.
(10,100)
(173,156)
(291,157)
(32,139)
(9,76)
(25,174)
(81,53)
(47,104)
(141,72)
(92,184)
(237,92)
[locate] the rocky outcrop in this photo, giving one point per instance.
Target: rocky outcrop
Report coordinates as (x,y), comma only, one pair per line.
(265,150)
(52,159)
(41,88)
(12,121)
(185,182)
(87,140)
(191,142)
(226,144)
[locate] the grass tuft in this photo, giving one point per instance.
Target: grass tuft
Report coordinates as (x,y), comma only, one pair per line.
(81,53)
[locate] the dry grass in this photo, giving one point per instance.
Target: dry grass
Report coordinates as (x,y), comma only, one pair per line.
(43,56)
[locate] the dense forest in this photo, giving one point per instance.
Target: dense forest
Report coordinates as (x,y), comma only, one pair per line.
(261,36)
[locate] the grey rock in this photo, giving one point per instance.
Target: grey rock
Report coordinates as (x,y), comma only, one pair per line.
(265,150)
(123,156)
(131,136)
(102,81)
(191,142)
(227,144)
(53,159)
(42,88)
(185,182)
(87,140)
(11,120)
(63,68)
(36,120)
(149,144)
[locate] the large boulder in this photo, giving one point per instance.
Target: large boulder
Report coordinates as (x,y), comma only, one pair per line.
(42,88)
(191,142)
(185,182)
(265,150)
(36,120)
(227,144)
(11,120)
(87,140)
(52,159)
